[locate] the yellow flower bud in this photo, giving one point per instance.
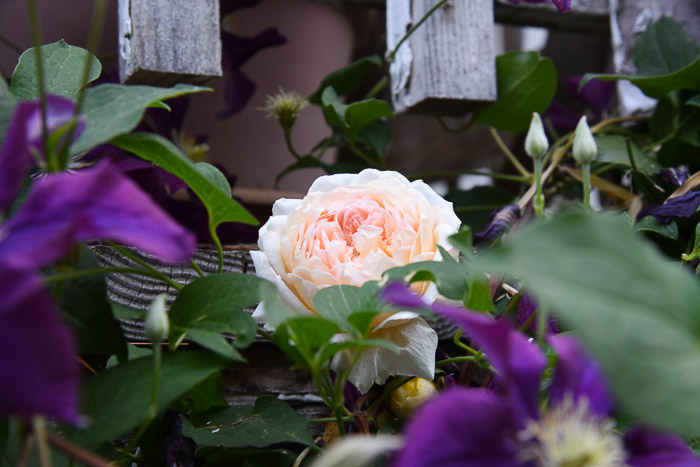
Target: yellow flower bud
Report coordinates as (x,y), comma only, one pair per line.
(406,398)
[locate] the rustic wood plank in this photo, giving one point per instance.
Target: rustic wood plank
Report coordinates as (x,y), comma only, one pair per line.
(165,42)
(628,19)
(447,66)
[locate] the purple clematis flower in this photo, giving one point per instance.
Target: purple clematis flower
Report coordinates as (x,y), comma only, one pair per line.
(501,220)
(24,137)
(681,206)
(474,427)
(563,6)
(37,363)
(236,51)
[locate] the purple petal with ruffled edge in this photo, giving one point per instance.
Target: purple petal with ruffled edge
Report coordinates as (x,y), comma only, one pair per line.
(648,448)
(24,135)
(460,428)
(518,361)
(501,220)
(578,376)
(93,204)
(38,369)
(676,176)
(680,206)
(235,52)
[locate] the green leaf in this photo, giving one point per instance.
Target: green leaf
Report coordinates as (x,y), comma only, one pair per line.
(360,114)
(463,241)
(210,340)
(635,311)
(526,83)
(269,422)
(657,86)
(695,100)
(479,298)
(211,305)
(207,394)
(696,248)
(333,109)
(663,48)
(450,278)
(116,400)
(88,312)
(474,207)
(613,149)
(301,337)
(376,136)
(7,108)
(214,176)
(338,302)
(111,110)
(676,152)
(347,79)
(160,151)
(650,224)
(63,66)
(664,120)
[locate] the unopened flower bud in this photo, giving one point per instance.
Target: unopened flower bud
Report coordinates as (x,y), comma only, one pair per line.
(585,148)
(157,324)
(536,143)
(285,107)
(408,397)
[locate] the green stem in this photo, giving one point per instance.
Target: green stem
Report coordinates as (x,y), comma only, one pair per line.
(348,418)
(146,266)
(39,427)
(265,334)
(542,318)
(219,248)
(511,157)
(381,84)
(586,169)
(448,361)
(427,15)
(96,271)
(480,207)
(371,162)
(36,39)
(538,200)
(388,389)
(152,411)
(196,268)
(288,142)
(11,45)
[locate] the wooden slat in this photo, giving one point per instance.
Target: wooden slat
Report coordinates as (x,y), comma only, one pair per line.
(165,42)
(447,66)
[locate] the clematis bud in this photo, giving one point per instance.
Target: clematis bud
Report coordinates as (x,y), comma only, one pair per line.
(536,143)
(408,397)
(285,107)
(585,148)
(157,324)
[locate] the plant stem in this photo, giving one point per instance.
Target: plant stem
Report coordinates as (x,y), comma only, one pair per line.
(36,39)
(448,361)
(538,201)
(371,162)
(381,84)
(348,418)
(219,248)
(388,389)
(39,428)
(452,173)
(11,45)
(79,453)
(146,266)
(288,142)
(152,405)
(427,15)
(196,268)
(511,157)
(586,168)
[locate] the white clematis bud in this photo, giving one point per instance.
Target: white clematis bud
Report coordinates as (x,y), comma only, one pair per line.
(157,324)
(536,143)
(585,148)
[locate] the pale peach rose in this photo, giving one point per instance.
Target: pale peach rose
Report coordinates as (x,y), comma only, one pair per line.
(349,229)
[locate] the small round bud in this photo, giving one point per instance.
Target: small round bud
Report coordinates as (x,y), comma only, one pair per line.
(408,397)
(585,148)
(536,143)
(157,324)
(285,107)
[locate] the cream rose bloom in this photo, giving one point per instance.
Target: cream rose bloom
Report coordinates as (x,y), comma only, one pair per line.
(349,229)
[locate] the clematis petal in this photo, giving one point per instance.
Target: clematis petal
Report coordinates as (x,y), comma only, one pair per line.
(648,448)
(501,220)
(680,206)
(37,363)
(578,376)
(417,343)
(460,428)
(526,307)
(96,203)
(24,135)
(518,361)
